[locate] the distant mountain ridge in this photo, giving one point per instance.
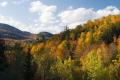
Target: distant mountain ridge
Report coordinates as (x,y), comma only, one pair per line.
(7,31)
(46,35)
(10,32)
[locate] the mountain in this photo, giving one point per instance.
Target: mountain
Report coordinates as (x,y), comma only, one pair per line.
(45,35)
(10,32)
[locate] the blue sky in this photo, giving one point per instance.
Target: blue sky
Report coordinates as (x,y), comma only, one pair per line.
(97,4)
(52,15)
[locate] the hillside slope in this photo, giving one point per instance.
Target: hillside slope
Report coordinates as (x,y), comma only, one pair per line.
(10,32)
(89,52)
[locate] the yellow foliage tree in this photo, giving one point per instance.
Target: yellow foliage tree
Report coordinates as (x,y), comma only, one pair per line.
(80,43)
(89,38)
(62,50)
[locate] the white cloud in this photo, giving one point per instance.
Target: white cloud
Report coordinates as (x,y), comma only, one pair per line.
(15,23)
(46,16)
(3,4)
(110,10)
(77,16)
(45,12)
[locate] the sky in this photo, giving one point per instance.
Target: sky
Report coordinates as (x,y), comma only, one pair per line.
(53,15)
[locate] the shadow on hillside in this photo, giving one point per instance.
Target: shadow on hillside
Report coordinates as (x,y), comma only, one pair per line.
(3,62)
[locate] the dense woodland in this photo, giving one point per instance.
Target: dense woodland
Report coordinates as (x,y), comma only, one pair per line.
(89,52)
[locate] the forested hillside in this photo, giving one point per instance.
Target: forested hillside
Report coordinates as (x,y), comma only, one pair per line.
(89,52)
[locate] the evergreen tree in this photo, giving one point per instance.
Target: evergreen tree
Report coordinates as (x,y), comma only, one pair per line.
(28,67)
(3,62)
(67,32)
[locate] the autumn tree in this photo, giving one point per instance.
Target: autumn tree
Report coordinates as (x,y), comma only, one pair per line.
(114,70)
(93,64)
(62,51)
(89,38)
(80,43)
(62,70)
(43,61)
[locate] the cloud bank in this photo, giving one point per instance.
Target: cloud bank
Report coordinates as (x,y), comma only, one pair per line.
(81,15)
(49,20)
